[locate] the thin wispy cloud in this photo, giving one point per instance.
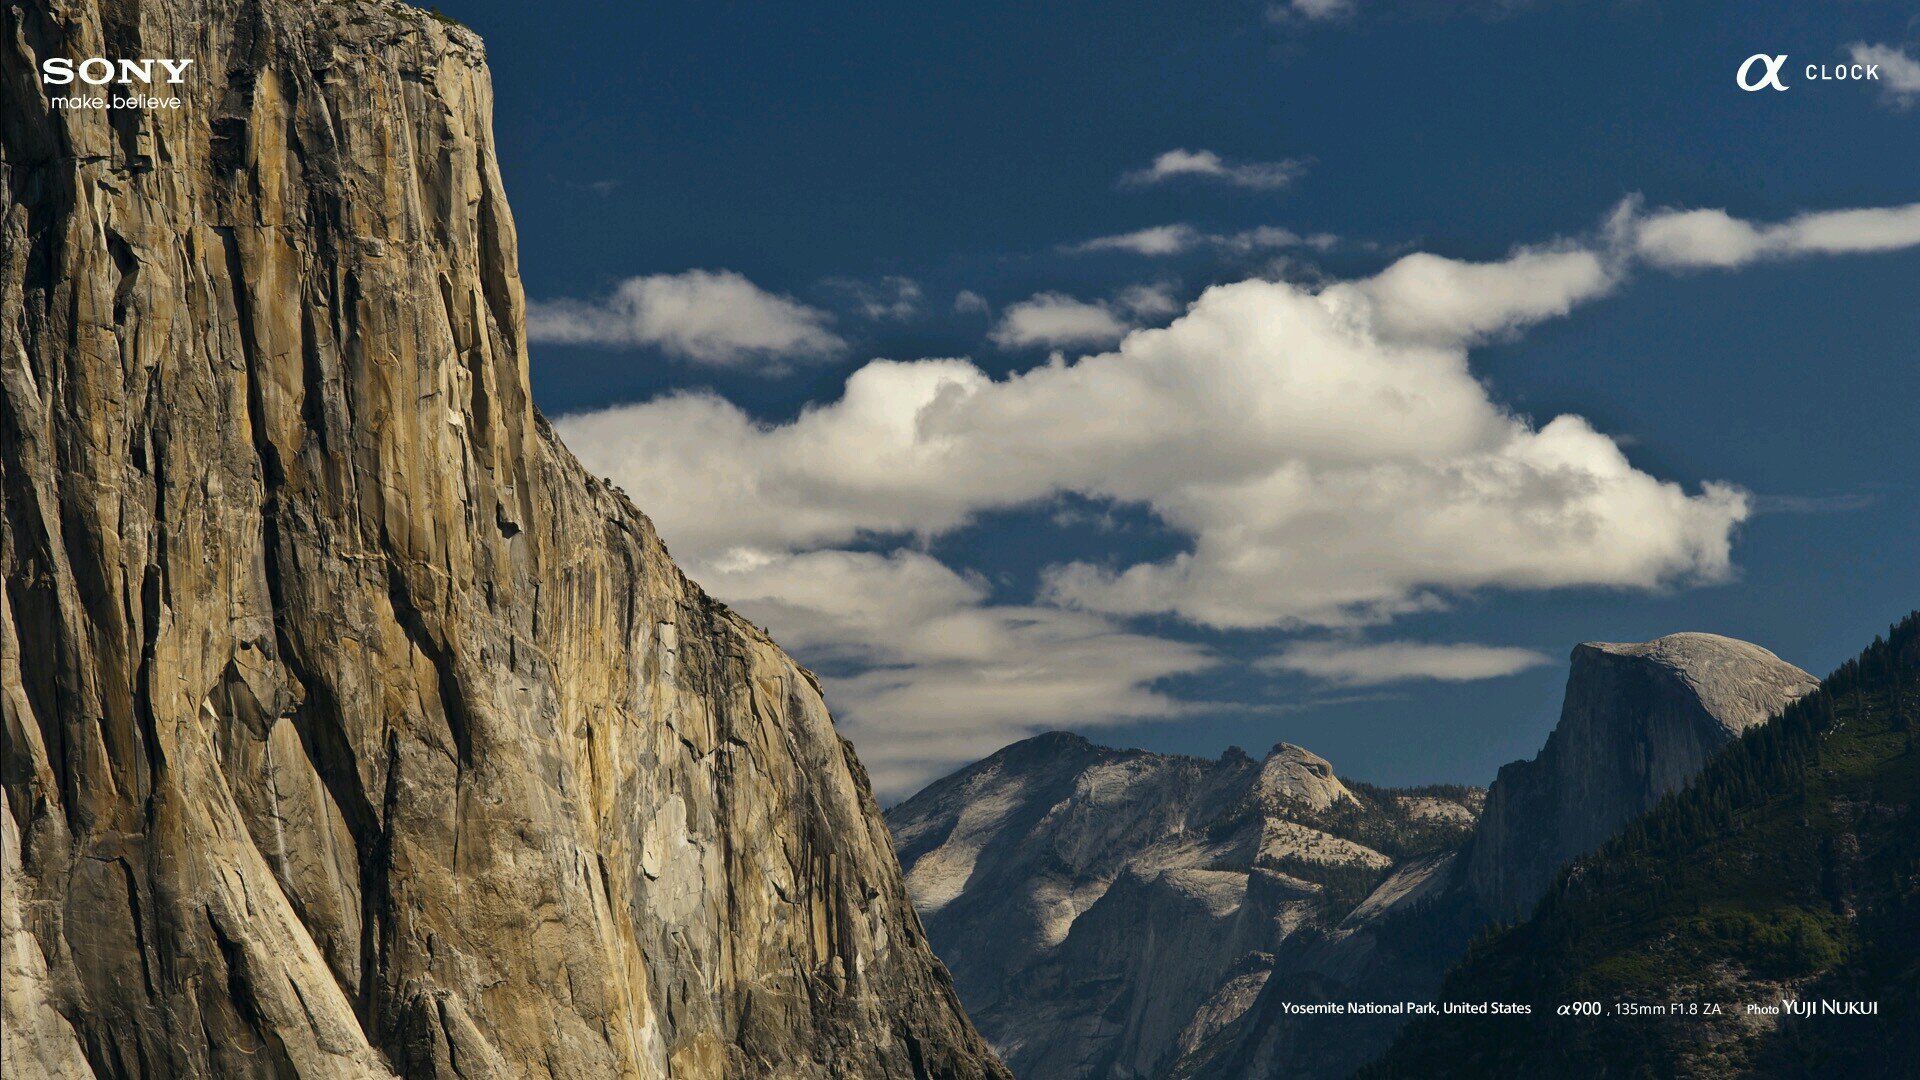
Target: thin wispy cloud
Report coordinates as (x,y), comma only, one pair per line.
(1356,664)
(1311,10)
(714,317)
(602,187)
(1207,165)
(1158,240)
(1842,502)
(1714,239)
(1149,301)
(891,299)
(1179,238)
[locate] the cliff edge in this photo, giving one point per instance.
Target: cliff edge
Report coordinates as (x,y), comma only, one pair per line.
(350,728)
(1639,721)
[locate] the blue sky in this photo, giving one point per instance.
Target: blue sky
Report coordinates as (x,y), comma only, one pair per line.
(1332,504)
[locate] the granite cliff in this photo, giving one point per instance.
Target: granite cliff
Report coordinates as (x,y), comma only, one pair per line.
(350,728)
(1638,722)
(1787,871)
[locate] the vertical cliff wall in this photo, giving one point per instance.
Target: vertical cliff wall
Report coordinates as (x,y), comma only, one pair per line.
(1638,722)
(350,728)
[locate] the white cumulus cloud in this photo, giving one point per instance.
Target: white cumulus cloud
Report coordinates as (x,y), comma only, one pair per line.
(1053,319)
(1326,471)
(708,316)
(1327,457)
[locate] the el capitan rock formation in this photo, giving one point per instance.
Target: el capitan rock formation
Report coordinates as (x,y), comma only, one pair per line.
(350,728)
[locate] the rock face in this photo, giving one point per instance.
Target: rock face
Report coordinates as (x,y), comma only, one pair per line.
(1800,844)
(1395,947)
(1638,722)
(1110,913)
(350,728)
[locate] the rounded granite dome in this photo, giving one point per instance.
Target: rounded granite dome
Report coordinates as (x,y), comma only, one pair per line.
(1739,683)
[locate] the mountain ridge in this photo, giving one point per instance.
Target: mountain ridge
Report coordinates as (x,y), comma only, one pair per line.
(1102,872)
(1353,923)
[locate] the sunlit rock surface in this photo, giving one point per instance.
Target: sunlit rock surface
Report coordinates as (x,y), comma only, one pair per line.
(351,729)
(1109,913)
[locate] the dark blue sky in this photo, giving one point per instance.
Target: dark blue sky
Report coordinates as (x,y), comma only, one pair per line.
(807,147)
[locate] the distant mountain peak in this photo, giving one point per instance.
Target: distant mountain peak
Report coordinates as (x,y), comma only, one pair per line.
(1737,683)
(1072,883)
(1299,775)
(1069,885)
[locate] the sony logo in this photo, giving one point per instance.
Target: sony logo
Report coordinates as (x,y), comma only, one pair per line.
(98,71)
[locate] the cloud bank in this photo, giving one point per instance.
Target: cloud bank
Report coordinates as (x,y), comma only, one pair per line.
(1327,455)
(941,674)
